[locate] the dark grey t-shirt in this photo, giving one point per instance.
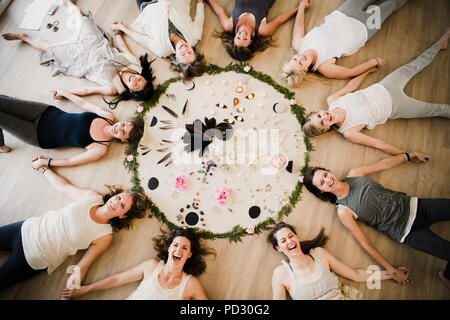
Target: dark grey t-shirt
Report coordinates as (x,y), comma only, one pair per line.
(386,210)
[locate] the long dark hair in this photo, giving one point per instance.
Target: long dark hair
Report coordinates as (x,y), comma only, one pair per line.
(137,131)
(308,182)
(196,264)
(144,94)
(137,209)
(319,241)
(243,53)
(189,70)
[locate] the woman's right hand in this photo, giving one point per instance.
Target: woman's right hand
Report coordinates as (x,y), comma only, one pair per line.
(418,157)
(58,94)
(39,162)
(402,276)
(306,3)
(117,26)
(73,293)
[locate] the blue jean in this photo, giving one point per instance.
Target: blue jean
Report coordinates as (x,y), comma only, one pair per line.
(430,211)
(16,268)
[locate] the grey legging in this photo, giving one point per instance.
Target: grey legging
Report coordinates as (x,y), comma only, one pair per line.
(404,107)
(20,118)
(355,9)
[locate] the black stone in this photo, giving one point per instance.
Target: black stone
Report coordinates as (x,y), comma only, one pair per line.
(191,218)
(153,183)
(254,212)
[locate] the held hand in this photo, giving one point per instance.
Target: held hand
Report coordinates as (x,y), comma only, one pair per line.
(379,62)
(38,163)
(58,94)
(117,26)
(402,276)
(72,293)
(305,3)
(419,157)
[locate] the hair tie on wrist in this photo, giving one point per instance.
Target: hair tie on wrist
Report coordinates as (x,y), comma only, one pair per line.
(407,156)
(48,162)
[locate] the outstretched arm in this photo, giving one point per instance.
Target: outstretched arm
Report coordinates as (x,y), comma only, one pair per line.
(330,70)
(123,46)
(95,152)
(351,86)
(194,290)
(60,184)
(268,29)
(118,279)
(225,21)
(58,94)
(278,289)
(299,25)
(398,274)
(387,163)
(339,267)
(105,90)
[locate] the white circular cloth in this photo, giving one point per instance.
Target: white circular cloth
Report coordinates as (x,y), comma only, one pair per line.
(236,184)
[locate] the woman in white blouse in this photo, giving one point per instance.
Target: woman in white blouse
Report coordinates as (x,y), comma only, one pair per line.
(343,33)
(349,112)
(44,242)
(165,28)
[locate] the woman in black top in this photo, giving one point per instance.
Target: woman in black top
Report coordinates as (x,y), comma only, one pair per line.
(47,127)
(243,31)
(403,218)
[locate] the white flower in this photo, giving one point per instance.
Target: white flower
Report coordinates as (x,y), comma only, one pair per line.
(247,68)
(140,109)
(130,158)
(250,230)
(292,101)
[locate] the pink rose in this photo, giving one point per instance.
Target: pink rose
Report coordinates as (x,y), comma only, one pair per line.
(224,195)
(250,230)
(247,68)
(181,182)
(130,158)
(140,109)
(292,102)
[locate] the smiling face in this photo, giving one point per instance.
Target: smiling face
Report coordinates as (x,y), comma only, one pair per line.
(325,181)
(243,36)
(184,52)
(119,205)
(134,82)
(288,242)
(179,250)
(323,120)
(121,130)
(299,62)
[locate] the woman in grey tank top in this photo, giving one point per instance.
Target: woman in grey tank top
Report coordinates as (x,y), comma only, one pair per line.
(300,277)
(245,30)
(403,218)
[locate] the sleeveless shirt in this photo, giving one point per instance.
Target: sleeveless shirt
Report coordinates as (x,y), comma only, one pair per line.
(57,128)
(150,289)
(259,9)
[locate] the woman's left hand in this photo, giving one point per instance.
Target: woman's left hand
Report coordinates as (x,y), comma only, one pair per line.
(38,163)
(419,157)
(117,26)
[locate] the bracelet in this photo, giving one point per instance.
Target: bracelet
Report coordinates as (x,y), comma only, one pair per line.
(378,62)
(407,156)
(48,162)
(44,169)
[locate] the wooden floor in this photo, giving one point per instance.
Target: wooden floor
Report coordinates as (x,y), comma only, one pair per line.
(243,270)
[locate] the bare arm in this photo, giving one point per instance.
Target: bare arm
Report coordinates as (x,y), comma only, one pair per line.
(299,25)
(268,29)
(123,46)
(347,219)
(86,105)
(278,289)
(60,184)
(330,70)
(355,136)
(106,90)
(351,86)
(225,21)
(340,268)
(131,275)
(194,290)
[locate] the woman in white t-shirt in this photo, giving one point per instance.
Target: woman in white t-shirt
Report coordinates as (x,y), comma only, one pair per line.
(170,277)
(350,112)
(44,242)
(343,33)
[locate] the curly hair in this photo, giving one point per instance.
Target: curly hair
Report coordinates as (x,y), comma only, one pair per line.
(137,209)
(196,264)
(308,182)
(137,131)
(318,241)
(144,94)
(243,53)
(189,70)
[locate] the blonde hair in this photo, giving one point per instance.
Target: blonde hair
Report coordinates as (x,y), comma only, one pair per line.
(309,129)
(293,79)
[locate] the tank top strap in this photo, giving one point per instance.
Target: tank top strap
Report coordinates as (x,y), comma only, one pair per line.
(289,269)
(317,260)
(103,142)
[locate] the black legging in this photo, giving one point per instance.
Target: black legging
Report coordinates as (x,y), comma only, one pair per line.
(430,211)
(15,269)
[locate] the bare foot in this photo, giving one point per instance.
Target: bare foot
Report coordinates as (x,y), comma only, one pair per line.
(444,279)
(5,149)
(14,36)
(443,42)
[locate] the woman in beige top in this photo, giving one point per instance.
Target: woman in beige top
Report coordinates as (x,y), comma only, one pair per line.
(170,277)
(44,242)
